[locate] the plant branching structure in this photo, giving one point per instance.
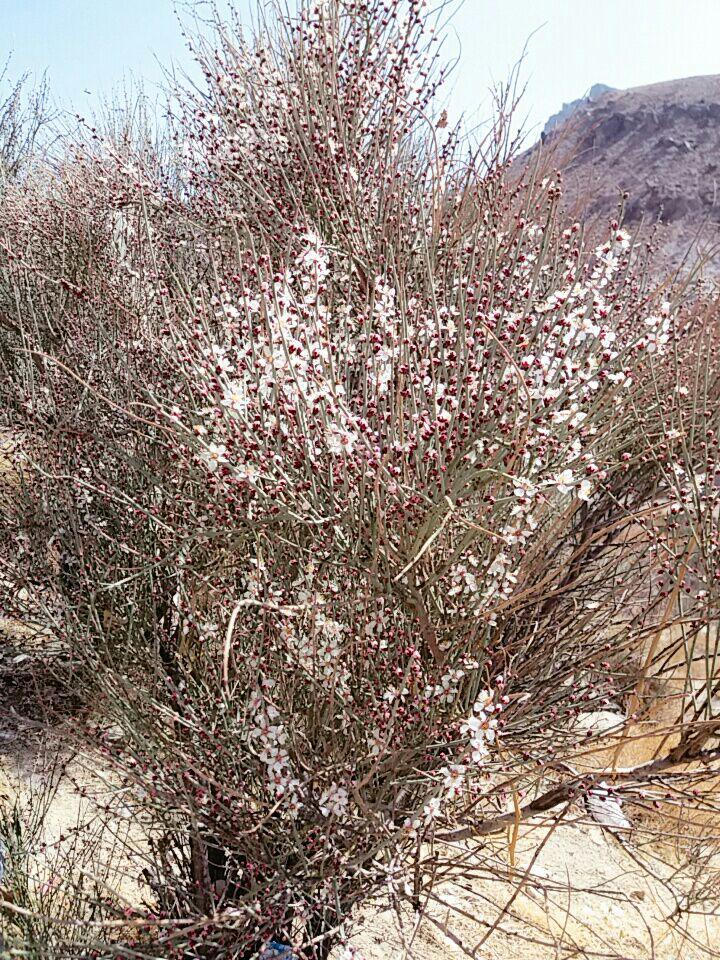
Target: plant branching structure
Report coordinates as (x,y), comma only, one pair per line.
(353,476)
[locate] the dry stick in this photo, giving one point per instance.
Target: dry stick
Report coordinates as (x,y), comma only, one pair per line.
(565,791)
(426,546)
(285,611)
(103,924)
(640,686)
(515,828)
(527,873)
(536,588)
(426,628)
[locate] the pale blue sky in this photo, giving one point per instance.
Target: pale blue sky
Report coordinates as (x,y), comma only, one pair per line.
(90,45)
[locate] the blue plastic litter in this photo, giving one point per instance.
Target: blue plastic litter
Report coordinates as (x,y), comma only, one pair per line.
(277,951)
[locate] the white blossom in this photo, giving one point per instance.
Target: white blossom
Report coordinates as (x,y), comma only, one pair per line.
(334,801)
(215,455)
(564,481)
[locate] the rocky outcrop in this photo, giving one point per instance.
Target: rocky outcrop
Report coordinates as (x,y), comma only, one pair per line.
(660,146)
(567,109)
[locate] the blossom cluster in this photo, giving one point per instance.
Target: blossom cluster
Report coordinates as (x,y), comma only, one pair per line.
(269,737)
(306,391)
(480,730)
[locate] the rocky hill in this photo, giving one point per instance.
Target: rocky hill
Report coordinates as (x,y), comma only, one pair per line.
(660,144)
(567,109)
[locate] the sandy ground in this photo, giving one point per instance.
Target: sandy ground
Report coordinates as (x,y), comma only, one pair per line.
(576,893)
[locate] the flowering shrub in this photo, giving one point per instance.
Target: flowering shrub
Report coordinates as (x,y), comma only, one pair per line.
(23,113)
(340,448)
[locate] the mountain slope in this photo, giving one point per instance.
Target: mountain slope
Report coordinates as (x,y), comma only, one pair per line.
(661,145)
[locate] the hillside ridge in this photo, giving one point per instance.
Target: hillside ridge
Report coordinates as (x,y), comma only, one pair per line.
(660,145)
